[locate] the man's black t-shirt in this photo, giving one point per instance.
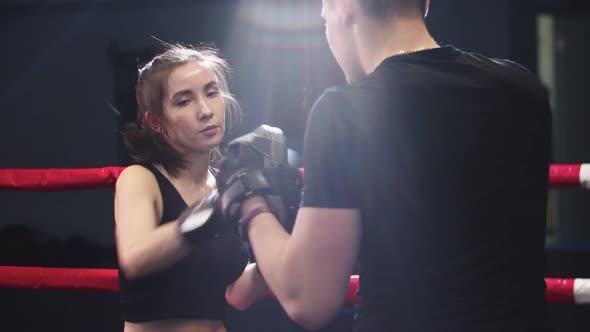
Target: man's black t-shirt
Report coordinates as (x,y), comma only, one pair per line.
(446,155)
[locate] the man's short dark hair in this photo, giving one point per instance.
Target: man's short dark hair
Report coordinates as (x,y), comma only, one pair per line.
(385,8)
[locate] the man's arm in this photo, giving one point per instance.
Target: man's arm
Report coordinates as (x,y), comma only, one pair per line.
(309,270)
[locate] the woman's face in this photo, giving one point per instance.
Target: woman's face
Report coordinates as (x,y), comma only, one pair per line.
(194,109)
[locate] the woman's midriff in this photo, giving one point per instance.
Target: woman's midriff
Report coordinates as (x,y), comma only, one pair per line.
(176,325)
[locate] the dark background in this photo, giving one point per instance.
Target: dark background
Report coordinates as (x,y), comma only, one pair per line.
(65,64)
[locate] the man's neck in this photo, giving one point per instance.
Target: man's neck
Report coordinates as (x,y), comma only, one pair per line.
(379,40)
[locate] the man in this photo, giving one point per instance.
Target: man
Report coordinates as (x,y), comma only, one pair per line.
(447,222)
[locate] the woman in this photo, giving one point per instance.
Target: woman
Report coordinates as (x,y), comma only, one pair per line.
(166,283)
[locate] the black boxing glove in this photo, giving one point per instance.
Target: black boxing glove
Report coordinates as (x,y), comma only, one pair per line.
(198,223)
(256,163)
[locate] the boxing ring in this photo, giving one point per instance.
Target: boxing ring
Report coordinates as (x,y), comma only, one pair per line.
(559,290)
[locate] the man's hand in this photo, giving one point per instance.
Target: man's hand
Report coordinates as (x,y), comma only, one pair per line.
(251,203)
(256,164)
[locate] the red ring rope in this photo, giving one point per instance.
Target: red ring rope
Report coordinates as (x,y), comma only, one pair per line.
(558,290)
(560,176)
(58,179)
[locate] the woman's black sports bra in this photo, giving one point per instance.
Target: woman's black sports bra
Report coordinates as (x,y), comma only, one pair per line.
(193,288)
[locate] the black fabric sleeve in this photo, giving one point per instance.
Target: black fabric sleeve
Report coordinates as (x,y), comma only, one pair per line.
(329,177)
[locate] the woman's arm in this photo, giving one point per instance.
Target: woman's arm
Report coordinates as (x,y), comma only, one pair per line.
(143,247)
(248,289)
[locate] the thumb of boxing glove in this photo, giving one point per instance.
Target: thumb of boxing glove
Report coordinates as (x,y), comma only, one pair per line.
(196,223)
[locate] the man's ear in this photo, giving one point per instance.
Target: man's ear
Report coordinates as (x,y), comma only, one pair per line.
(152,121)
(426,7)
(348,10)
